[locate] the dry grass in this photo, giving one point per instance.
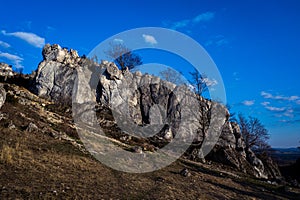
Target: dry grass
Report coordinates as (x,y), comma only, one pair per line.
(38,166)
(9,154)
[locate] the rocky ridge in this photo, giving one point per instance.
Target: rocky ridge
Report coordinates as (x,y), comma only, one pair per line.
(150,102)
(59,69)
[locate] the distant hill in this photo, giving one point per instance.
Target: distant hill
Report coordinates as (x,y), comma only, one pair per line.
(285,156)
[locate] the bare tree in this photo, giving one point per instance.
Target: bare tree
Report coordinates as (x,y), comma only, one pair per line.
(172,76)
(254,133)
(123,56)
(232,115)
(198,82)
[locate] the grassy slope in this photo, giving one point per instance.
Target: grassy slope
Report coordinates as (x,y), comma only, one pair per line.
(36,165)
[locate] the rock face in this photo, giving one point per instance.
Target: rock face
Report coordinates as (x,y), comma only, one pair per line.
(231,150)
(56,73)
(138,102)
(2,95)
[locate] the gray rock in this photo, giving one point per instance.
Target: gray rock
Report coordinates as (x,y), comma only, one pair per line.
(32,127)
(56,73)
(11,125)
(2,96)
(185,172)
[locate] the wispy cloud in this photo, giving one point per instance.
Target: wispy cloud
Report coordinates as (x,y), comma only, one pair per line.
(289,113)
(210,82)
(265,103)
(222,42)
(118,40)
(203,17)
(290,121)
(17,60)
(289,110)
(51,28)
(4,44)
(30,38)
(236,76)
(180,24)
(248,102)
(149,39)
(267,95)
(218,40)
(276,109)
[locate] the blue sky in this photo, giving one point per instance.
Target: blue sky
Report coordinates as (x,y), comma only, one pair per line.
(255,44)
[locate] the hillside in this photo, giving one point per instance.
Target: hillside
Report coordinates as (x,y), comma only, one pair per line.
(42,155)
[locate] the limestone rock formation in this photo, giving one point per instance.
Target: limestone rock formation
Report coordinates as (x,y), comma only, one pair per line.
(144,102)
(56,73)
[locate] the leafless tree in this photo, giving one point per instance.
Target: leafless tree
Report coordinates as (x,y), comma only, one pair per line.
(172,76)
(123,56)
(254,133)
(198,82)
(232,115)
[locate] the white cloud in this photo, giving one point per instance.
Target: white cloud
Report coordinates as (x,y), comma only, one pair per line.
(293,98)
(149,39)
(13,58)
(118,40)
(30,38)
(207,16)
(267,95)
(276,109)
(265,103)
(203,17)
(236,76)
(210,82)
(218,40)
(248,102)
(180,24)
(298,102)
(222,42)
(51,28)
(289,113)
(4,44)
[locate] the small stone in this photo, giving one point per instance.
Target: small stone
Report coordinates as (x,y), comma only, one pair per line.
(138,149)
(32,127)
(185,172)
(11,125)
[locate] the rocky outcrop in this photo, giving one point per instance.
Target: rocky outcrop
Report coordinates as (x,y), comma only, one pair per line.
(5,71)
(56,73)
(2,95)
(231,150)
(147,106)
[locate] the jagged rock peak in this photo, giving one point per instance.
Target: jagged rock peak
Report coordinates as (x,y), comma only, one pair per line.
(62,55)
(5,70)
